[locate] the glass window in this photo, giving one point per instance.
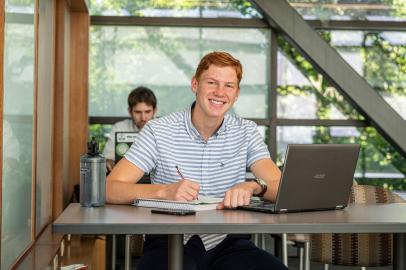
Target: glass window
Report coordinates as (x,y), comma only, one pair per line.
(303,93)
(151,8)
(263,131)
(372,10)
(101,133)
(377,159)
(164,59)
(17,130)
(380,58)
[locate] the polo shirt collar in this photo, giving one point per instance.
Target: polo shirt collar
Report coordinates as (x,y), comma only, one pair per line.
(190,128)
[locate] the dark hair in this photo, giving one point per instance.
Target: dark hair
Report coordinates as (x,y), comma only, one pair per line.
(220,59)
(141,94)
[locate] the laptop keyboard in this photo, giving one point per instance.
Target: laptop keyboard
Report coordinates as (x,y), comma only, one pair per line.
(262,204)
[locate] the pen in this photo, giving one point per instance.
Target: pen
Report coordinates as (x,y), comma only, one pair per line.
(181,176)
(179,173)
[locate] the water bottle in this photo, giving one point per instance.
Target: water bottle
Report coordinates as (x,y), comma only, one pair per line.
(92,176)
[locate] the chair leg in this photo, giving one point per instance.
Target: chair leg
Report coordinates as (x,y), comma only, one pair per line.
(326,266)
(62,247)
(301,258)
(55,262)
(306,255)
(255,239)
(263,241)
(285,249)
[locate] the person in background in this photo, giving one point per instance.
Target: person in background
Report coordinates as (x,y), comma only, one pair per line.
(142,106)
(212,149)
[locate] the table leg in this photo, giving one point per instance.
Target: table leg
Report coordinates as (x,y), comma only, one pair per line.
(175,251)
(127,260)
(399,251)
(113,251)
(285,249)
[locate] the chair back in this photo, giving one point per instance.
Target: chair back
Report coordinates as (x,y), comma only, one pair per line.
(357,249)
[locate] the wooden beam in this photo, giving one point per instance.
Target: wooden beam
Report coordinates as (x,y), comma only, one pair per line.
(78,6)
(358,25)
(182,22)
(78,93)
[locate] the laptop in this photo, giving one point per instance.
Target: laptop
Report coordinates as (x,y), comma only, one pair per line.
(314,177)
(122,142)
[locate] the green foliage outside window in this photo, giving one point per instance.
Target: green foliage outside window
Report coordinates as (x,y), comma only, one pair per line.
(137,8)
(351,9)
(369,137)
(99,132)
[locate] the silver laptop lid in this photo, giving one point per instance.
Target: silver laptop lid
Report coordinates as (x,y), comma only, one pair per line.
(317,176)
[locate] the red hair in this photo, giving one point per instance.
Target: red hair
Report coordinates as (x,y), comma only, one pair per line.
(220,59)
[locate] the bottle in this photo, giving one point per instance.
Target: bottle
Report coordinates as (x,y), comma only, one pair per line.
(92,176)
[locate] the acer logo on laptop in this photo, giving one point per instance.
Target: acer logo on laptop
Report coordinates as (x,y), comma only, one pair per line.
(319,176)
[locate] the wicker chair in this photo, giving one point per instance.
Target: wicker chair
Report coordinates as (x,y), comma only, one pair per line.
(357,249)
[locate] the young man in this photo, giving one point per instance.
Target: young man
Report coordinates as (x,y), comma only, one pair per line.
(142,108)
(212,150)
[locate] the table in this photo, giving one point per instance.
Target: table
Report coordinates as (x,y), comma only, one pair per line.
(126,219)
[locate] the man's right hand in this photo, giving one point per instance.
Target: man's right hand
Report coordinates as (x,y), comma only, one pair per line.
(183,190)
(109,165)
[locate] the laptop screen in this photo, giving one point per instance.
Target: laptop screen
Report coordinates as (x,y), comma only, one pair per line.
(123,142)
(317,176)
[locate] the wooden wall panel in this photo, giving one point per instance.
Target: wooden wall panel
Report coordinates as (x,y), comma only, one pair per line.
(78,96)
(59,195)
(70,98)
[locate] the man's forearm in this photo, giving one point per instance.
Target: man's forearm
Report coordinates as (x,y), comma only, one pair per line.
(272,190)
(269,172)
(119,192)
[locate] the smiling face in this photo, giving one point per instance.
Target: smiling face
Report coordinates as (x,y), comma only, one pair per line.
(216,90)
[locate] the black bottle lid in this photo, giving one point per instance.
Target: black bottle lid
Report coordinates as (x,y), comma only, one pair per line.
(93,147)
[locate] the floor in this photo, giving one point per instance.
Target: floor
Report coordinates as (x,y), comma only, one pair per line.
(91,250)
(88,250)
(401,194)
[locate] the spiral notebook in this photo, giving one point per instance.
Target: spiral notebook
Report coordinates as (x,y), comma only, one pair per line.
(202,204)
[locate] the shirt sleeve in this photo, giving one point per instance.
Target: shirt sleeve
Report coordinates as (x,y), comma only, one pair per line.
(108,151)
(143,152)
(257,148)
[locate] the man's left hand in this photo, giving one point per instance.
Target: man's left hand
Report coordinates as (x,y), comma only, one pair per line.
(238,195)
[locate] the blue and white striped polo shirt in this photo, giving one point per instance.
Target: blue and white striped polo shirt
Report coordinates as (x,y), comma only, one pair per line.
(216,164)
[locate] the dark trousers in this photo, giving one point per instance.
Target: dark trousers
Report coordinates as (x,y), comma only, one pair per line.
(235,252)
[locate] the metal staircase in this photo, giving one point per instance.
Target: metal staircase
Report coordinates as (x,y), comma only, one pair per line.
(287,22)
